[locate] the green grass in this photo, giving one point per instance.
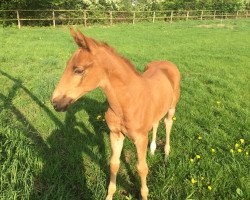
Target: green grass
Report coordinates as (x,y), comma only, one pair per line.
(49,155)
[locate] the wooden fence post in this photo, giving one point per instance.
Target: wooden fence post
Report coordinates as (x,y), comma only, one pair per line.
(201,14)
(237,13)
(133,17)
(111,18)
(187,15)
(54,20)
(18,19)
(153,17)
(246,14)
(85,18)
(214,14)
(171,17)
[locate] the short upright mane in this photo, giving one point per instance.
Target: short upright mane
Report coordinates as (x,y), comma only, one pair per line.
(111,49)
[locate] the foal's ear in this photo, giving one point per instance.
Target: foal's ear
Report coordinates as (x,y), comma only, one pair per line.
(80,41)
(83,41)
(89,43)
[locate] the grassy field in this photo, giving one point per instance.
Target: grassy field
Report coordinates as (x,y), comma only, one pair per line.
(49,155)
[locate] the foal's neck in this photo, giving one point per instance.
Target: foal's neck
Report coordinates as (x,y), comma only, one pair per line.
(121,80)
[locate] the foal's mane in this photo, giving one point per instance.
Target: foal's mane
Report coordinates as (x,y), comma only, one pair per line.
(112,50)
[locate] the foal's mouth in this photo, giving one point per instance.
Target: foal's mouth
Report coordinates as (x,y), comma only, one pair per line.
(60,109)
(62,104)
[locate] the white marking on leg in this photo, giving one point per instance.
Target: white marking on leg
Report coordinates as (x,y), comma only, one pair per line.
(168,124)
(153,143)
(152,147)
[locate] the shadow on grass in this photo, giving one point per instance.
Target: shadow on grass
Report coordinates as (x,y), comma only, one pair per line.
(63,175)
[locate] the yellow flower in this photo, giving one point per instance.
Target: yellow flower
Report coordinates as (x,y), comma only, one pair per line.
(239,150)
(218,102)
(247,153)
(103,119)
(198,156)
(193,181)
(231,150)
(199,138)
(174,118)
(213,150)
(202,178)
(236,145)
(242,141)
(191,160)
(209,187)
(98,117)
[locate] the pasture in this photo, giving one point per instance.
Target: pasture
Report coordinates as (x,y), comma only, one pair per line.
(49,155)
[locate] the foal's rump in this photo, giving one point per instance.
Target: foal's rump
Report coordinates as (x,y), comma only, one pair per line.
(168,69)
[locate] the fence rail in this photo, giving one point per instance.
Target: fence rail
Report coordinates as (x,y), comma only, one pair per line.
(88,17)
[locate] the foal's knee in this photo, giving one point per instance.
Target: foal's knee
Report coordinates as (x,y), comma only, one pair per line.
(142,169)
(114,167)
(168,122)
(171,112)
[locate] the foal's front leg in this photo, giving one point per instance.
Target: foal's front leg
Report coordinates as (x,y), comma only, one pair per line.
(116,140)
(141,144)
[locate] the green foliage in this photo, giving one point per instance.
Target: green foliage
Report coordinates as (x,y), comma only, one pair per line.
(224,5)
(98,7)
(49,155)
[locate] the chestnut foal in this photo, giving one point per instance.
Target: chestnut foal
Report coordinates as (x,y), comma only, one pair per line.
(137,102)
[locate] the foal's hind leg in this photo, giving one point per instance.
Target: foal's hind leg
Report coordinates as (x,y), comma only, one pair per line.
(168,124)
(153,143)
(116,140)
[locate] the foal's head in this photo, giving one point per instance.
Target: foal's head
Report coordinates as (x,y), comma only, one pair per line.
(82,73)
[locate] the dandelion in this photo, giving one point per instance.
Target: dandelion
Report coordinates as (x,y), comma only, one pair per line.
(199,138)
(191,160)
(209,187)
(174,118)
(231,151)
(213,150)
(239,150)
(247,153)
(198,156)
(242,141)
(236,145)
(98,117)
(193,181)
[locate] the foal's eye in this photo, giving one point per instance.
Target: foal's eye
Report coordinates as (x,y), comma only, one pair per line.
(79,71)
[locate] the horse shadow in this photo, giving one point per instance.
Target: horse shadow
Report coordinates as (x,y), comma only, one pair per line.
(63,175)
(64,155)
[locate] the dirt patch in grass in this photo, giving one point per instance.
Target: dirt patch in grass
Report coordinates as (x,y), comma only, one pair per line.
(215,26)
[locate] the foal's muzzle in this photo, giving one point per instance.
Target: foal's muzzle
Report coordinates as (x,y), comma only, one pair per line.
(61,103)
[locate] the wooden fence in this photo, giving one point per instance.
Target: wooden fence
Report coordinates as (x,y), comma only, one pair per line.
(88,17)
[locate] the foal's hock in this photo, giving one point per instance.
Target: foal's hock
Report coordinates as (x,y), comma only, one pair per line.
(137,102)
